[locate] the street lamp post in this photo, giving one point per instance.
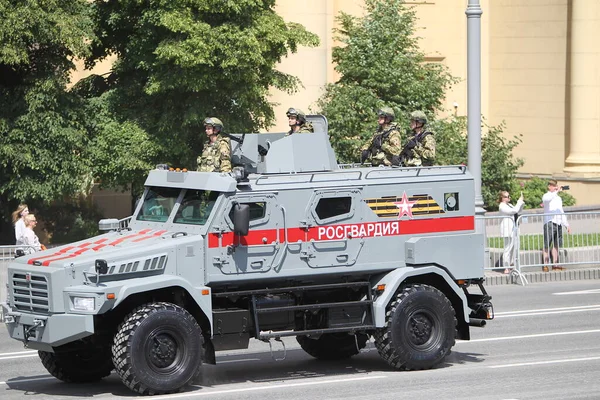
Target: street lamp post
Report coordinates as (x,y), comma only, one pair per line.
(474,112)
(474,98)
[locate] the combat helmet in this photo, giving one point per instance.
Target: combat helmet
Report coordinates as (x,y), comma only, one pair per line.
(386,112)
(298,113)
(418,116)
(214,122)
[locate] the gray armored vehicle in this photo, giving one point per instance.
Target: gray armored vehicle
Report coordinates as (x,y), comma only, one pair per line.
(289,244)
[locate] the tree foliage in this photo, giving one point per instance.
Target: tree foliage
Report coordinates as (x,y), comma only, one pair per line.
(380,65)
(181,61)
(42,137)
(533,190)
(498,164)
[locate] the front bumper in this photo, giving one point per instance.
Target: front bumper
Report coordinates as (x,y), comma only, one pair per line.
(43,332)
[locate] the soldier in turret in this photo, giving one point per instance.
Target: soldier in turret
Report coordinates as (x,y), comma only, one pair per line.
(216,156)
(297,122)
(386,144)
(419,149)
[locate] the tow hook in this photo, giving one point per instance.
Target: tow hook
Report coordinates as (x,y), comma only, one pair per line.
(29,332)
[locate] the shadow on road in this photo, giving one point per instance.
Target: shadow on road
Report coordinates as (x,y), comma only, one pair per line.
(257,368)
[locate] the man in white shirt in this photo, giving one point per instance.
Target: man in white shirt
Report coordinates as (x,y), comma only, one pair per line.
(554,220)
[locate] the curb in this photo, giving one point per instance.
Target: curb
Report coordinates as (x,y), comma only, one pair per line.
(494,278)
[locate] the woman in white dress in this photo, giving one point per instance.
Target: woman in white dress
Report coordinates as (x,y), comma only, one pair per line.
(507,226)
(18,219)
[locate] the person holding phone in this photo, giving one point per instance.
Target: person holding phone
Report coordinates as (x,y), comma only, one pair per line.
(554,220)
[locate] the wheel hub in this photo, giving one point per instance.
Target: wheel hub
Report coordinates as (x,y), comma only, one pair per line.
(420,329)
(164,350)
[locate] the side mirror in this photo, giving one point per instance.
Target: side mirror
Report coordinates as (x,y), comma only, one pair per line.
(241,219)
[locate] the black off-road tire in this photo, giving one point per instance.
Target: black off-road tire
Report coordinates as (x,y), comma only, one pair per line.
(333,346)
(420,329)
(79,366)
(158,349)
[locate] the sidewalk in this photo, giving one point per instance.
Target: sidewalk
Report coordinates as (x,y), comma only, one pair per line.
(574,273)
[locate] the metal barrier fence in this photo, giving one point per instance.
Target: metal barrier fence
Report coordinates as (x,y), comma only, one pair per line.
(579,247)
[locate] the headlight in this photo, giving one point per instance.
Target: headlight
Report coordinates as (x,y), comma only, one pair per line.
(84,304)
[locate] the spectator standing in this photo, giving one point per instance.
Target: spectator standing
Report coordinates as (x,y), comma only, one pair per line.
(554,220)
(508,226)
(30,239)
(18,219)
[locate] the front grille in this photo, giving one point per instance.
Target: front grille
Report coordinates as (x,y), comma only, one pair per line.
(30,292)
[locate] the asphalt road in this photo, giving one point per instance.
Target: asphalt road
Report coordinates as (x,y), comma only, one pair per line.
(543,344)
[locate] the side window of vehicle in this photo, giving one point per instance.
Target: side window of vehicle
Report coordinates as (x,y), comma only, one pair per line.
(257,211)
(330,207)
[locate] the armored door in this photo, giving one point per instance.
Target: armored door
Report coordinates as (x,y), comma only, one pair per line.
(334,230)
(258,252)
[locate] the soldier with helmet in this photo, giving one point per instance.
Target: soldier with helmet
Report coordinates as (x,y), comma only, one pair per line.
(216,155)
(419,149)
(386,144)
(297,121)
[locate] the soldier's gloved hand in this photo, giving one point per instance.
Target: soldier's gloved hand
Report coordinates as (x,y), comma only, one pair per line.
(363,156)
(396,160)
(262,151)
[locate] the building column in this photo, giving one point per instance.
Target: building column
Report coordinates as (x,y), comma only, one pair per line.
(584,87)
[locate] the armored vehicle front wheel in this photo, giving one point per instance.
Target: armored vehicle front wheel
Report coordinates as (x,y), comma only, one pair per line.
(420,329)
(158,349)
(333,346)
(87,364)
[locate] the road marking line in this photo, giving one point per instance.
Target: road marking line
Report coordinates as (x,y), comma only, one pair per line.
(546,309)
(529,336)
(549,312)
(544,362)
(589,291)
(270,387)
(15,357)
(18,352)
(28,380)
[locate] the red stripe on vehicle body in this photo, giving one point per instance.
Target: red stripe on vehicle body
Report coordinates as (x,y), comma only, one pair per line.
(155,234)
(298,234)
(124,238)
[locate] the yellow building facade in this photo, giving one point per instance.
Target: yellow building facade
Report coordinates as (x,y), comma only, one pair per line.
(540,75)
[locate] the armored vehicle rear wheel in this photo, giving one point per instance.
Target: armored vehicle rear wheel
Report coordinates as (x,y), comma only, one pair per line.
(333,346)
(79,366)
(420,329)
(158,349)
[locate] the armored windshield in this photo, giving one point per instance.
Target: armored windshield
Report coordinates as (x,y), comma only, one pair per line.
(158,204)
(196,207)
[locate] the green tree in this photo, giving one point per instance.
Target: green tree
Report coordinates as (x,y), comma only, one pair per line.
(42,137)
(380,64)
(533,190)
(179,61)
(498,164)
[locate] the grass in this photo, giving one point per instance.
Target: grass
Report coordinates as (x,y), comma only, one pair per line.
(535,242)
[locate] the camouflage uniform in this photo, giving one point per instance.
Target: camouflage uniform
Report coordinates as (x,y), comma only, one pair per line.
(386,144)
(419,149)
(216,155)
(391,145)
(305,127)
